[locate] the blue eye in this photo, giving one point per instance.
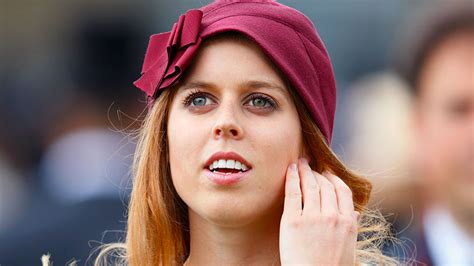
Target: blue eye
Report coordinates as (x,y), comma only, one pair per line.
(198,98)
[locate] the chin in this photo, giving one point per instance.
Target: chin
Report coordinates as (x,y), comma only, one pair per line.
(237,214)
(226,211)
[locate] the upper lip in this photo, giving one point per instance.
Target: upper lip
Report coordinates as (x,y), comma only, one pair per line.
(227,156)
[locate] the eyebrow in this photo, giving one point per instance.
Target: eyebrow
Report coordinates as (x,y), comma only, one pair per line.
(254,84)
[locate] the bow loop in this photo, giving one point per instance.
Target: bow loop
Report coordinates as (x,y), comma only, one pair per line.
(168,54)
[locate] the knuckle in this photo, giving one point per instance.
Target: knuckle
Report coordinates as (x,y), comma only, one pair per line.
(294,223)
(332,219)
(347,225)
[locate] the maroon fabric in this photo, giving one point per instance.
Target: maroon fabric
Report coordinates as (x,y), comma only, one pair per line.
(284,34)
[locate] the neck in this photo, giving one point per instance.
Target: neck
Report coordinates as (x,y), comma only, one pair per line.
(251,244)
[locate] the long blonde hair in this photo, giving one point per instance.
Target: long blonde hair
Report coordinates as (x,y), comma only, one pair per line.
(158,226)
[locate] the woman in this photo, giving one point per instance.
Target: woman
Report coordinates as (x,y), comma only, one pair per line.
(239,94)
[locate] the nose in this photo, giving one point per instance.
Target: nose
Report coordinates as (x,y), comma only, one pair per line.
(226,125)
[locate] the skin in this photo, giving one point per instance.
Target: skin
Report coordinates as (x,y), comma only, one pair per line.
(444,126)
(251,222)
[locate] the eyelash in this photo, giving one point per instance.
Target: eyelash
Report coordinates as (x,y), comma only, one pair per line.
(194,93)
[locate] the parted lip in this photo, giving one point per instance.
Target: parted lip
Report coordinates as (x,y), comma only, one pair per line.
(227,156)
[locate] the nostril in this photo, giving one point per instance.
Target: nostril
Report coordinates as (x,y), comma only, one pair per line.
(230,132)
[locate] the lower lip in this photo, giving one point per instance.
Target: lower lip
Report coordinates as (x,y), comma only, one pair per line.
(225,179)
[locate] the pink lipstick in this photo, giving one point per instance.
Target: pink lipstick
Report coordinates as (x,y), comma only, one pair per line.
(221,178)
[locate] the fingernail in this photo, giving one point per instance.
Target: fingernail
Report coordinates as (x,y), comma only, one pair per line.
(293,167)
(303,160)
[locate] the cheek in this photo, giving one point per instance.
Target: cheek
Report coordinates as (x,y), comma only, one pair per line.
(185,150)
(277,145)
(275,149)
(444,140)
(285,129)
(443,146)
(186,135)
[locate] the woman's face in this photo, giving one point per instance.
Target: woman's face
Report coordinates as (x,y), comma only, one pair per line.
(239,104)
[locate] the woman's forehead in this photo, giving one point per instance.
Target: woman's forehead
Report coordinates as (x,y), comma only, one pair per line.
(236,58)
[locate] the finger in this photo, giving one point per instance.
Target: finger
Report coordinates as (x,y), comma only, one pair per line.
(292,204)
(328,195)
(343,193)
(309,187)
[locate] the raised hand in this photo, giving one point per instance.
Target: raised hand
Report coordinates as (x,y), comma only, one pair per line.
(319,224)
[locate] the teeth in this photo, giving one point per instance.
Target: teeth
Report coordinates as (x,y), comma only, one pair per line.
(221,164)
(229,164)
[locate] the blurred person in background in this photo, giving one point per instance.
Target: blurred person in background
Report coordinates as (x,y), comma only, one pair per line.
(87,153)
(439,66)
(85,169)
(379,142)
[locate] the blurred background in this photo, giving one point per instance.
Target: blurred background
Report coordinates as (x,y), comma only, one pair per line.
(68,111)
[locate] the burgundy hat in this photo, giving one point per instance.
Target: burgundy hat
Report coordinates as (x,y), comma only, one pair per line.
(284,34)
